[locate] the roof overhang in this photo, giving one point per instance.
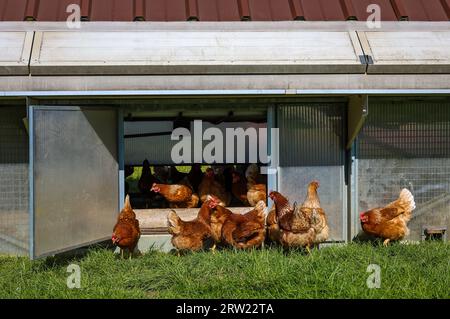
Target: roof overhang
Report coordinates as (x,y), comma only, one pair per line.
(164,85)
(294,55)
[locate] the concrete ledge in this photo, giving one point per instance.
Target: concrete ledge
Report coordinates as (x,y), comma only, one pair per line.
(154,221)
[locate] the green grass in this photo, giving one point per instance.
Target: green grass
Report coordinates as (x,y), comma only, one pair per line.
(407,271)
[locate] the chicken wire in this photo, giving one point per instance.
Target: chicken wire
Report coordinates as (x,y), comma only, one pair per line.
(407,145)
(13,181)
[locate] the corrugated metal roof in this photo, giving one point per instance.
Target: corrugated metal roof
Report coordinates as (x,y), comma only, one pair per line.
(225,10)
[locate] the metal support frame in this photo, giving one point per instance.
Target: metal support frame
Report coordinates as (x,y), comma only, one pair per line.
(208,93)
(121,156)
(31,180)
(273,150)
(358,109)
(353,223)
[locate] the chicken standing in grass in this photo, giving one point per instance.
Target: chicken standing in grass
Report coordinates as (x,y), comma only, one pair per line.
(390,222)
(298,226)
(288,225)
(238,230)
(191,235)
(126,232)
(311,206)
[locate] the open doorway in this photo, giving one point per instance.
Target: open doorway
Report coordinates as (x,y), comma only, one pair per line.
(151,155)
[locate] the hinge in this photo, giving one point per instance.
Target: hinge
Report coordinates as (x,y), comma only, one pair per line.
(366,59)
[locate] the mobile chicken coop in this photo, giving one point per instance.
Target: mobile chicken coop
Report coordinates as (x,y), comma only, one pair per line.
(365,111)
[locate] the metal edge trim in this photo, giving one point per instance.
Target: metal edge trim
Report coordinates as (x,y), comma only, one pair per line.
(219,92)
(31,231)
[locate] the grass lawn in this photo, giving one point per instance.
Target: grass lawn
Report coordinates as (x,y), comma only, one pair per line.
(407,271)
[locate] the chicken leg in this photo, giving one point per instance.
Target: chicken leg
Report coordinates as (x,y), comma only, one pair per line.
(386,242)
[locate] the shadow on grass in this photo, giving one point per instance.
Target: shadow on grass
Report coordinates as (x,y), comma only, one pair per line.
(75,255)
(363,238)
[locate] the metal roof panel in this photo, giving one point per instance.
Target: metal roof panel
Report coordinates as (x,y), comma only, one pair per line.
(12,10)
(420,10)
(195,52)
(225,10)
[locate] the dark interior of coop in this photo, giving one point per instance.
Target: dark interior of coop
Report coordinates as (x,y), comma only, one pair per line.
(148,145)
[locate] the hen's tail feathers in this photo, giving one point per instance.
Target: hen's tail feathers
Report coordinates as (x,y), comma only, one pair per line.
(193,202)
(405,201)
(260,208)
(173,222)
(127,204)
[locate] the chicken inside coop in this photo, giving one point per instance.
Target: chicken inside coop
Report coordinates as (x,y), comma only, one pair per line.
(155,180)
(212,164)
(187,186)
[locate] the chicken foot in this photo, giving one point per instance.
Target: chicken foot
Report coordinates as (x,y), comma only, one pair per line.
(386,242)
(308,250)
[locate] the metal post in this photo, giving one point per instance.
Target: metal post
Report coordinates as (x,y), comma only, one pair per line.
(30,111)
(121,156)
(272,148)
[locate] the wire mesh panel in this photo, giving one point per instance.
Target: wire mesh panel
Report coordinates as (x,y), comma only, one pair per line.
(13,181)
(311,148)
(406,144)
(75,177)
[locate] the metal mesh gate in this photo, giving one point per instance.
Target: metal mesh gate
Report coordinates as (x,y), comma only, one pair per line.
(13,181)
(407,144)
(311,148)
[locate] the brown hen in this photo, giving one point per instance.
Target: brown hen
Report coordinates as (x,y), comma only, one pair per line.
(239,187)
(210,186)
(311,206)
(191,235)
(126,232)
(289,225)
(390,222)
(238,230)
(178,195)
